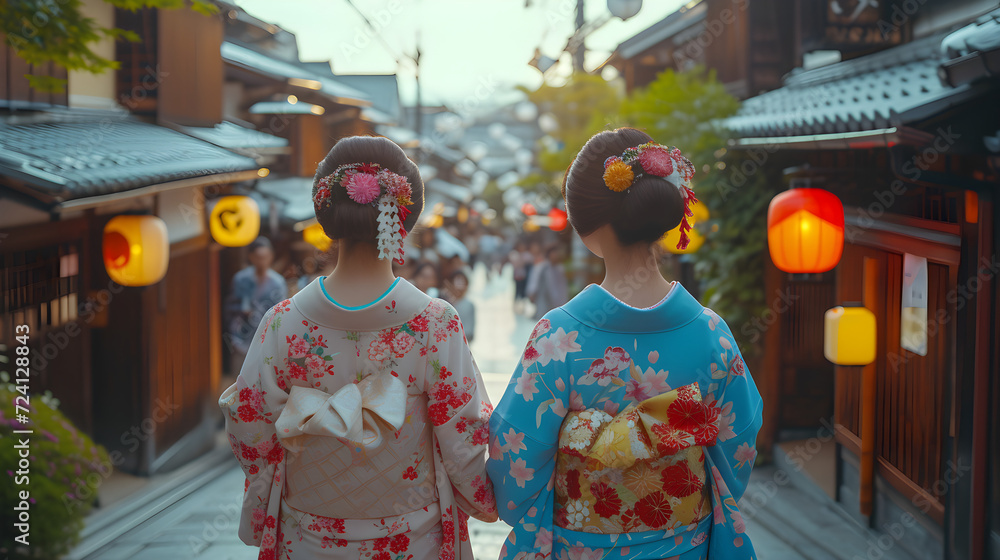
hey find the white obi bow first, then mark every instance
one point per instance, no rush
(352, 413)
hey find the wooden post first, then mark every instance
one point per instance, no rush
(866, 490)
(981, 381)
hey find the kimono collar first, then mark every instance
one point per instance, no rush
(597, 308)
(402, 302)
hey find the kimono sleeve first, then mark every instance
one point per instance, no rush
(524, 434)
(734, 394)
(741, 411)
(459, 409)
(250, 406)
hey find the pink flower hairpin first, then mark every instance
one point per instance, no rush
(369, 183)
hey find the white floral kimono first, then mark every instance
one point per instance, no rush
(626, 434)
(362, 431)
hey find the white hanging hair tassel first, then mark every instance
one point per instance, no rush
(390, 242)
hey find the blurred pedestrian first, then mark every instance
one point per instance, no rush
(548, 287)
(518, 259)
(489, 250)
(254, 290)
(471, 239)
(425, 248)
(310, 271)
(455, 291)
(427, 278)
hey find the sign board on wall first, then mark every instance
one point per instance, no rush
(863, 24)
(913, 323)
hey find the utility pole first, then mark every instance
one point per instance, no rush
(580, 49)
(419, 118)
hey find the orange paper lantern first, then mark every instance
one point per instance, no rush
(805, 230)
(557, 219)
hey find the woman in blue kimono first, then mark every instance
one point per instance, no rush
(629, 428)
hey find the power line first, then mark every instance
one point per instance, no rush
(378, 35)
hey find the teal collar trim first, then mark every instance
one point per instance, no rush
(358, 307)
(596, 307)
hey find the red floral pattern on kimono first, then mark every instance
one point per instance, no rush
(362, 433)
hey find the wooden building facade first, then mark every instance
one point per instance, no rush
(901, 123)
(902, 136)
(136, 367)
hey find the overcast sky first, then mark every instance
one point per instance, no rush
(471, 50)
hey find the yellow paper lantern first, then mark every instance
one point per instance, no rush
(235, 221)
(315, 236)
(850, 337)
(669, 241)
(136, 249)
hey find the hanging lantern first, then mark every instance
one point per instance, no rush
(315, 236)
(558, 219)
(136, 249)
(235, 221)
(849, 337)
(669, 240)
(528, 209)
(805, 230)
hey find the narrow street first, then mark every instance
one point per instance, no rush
(198, 518)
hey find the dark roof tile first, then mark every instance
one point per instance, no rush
(75, 158)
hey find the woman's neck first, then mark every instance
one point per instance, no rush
(360, 276)
(632, 274)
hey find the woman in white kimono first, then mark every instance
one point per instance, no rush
(628, 430)
(359, 416)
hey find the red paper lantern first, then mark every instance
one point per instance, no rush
(557, 219)
(805, 230)
(528, 209)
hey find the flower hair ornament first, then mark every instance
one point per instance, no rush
(369, 183)
(660, 161)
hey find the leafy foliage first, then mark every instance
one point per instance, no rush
(581, 107)
(66, 468)
(42, 31)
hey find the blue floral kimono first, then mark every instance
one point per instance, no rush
(626, 433)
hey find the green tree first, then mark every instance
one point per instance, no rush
(42, 31)
(582, 107)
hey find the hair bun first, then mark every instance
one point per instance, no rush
(651, 207)
(641, 213)
(345, 218)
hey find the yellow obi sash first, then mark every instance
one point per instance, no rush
(641, 470)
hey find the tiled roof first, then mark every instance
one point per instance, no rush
(263, 64)
(60, 160)
(294, 195)
(662, 30)
(881, 90)
(381, 89)
(232, 136)
(284, 107)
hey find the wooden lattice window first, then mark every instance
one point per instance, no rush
(138, 77)
(39, 288)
